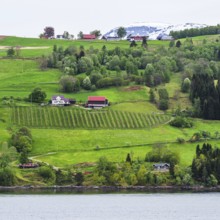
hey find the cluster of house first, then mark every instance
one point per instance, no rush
(108, 38)
(115, 38)
(129, 38)
(84, 36)
(92, 102)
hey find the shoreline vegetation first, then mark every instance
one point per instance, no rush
(108, 189)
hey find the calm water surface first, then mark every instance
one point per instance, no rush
(199, 206)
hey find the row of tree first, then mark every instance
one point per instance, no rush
(205, 94)
(193, 32)
(49, 33)
(206, 164)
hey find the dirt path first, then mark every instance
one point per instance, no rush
(24, 48)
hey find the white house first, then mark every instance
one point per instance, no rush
(60, 100)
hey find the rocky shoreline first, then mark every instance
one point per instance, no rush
(106, 189)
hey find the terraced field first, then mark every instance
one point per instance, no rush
(70, 118)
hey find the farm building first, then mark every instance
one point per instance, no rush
(165, 37)
(89, 37)
(60, 36)
(60, 101)
(28, 165)
(136, 38)
(97, 102)
(109, 38)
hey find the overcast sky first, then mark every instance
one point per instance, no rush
(29, 17)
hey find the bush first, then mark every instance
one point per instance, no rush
(180, 140)
(22, 140)
(37, 95)
(7, 177)
(163, 104)
(69, 84)
(181, 122)
(47, 173)
(107, 82)
(162, 154)
(64, 177)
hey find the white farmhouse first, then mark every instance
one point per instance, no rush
(59, 101)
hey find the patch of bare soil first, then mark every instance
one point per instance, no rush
(2, 37)
(22, 48)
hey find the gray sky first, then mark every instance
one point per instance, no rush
(29, 17)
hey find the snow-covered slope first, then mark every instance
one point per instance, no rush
(153, 30)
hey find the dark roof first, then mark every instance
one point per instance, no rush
(55, 97)
(160, 165)
(61, 97)
(96, 98)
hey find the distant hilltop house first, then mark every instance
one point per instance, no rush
(136, 37)
(161, 166)
(109, 38)
(88, 37)
(60, 36)
(97, 102)
(59, 100)
(164, 37)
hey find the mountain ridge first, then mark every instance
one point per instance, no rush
(152, 30)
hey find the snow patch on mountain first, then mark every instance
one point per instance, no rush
(152, 30)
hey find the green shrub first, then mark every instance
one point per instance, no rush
(180, 140)
(47, 173)
(7, 177)
(181, 122)
(163, 104)
(162, 154)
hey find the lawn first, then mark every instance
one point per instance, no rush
(19, 77)
(65, 159)
(36, 42)
(139, 106)
(76, 146)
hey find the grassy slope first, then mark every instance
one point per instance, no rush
(18, 78)
(114, 144)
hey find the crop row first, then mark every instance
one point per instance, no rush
(53, 117)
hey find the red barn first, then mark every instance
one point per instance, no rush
(97, 102)
(89, 37)
(137, 38)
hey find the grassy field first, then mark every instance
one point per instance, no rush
(19, 77)
(89, 145)
(36, 42)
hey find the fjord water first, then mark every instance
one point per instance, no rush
(157, 206)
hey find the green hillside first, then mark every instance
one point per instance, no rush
(133, 123)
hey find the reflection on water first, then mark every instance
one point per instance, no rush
(174, 206)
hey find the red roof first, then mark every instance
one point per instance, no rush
(96, 98)
(89, 36)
